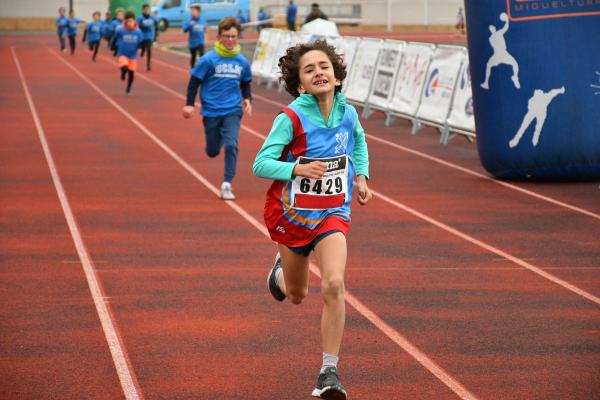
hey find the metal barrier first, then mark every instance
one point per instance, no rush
(422, 82)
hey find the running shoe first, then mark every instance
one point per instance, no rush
(329, 386)
(227, 192)
(274, 288)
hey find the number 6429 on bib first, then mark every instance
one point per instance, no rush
(330, 191)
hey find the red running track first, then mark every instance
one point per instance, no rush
(183, 273)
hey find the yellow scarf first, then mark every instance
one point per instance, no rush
(225, 52)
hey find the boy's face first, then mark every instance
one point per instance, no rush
(61, 11)
(96, 17)
(130, 22)
(120, 15)
(107, 15)
(195, 12)
(146, 11)
(72, 14)
(316, 74)
(229, 38)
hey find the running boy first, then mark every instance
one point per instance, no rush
(313, 152)
(225, 77)
(196, 34)
(106, 29)
(129, 38)
(92, 33)
(147, 25)
(114, 26)
(72, 30)
(62, 24)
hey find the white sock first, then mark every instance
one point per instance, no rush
(329, 361)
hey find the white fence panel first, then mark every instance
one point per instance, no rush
(386, 72)
(285, 41)
(461, 117)
(440, 84)
(411, 78)
(260, 51)
(363, 67)
(271, 52)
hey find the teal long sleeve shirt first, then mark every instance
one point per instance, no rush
(267, 164)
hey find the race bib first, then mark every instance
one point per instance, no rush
(330, 191)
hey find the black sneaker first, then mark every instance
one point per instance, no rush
(272, 280)
(329, 386)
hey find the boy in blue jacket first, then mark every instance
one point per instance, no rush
(72, 30)
(196, 30)
(106, 32)
(114, 26)
(147, 26)
(225, 77)
(129, 38)
(92, 33)
(62, 23)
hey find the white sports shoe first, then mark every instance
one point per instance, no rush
(226, 192)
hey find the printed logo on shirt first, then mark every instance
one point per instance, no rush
(130, 38)
(342, 142)
(228, 71)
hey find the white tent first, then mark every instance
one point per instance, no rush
(320, 27)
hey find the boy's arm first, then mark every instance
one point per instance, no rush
(360, 154)
(113, 41)
(192, 90)
(85, 32)
(186, 26)
(267, 164)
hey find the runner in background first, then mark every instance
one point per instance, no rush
(106, 29)
(115, 25)
(62, 24)
(460, 21)
(223, 76)
(147, 25)
(93, 34)
(129, 39)
(196, 29)
(72, 30)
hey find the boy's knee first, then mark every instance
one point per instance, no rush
(212, 153)
(332, 288)
(297, 295)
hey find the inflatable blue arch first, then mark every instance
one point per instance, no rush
(535, 69)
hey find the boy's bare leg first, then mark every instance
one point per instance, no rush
(295, 274)
(331, 257)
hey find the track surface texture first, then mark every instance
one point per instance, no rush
(139, 282)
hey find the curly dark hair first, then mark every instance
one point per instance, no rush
(290, 64)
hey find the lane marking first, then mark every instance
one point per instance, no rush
(118, 352)
(362, 309)
(519, 261)
(430, 157)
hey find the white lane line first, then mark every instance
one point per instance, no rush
(489, 248)
(390, 332)
(124, 369)
(519, 261)
(434, 159)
